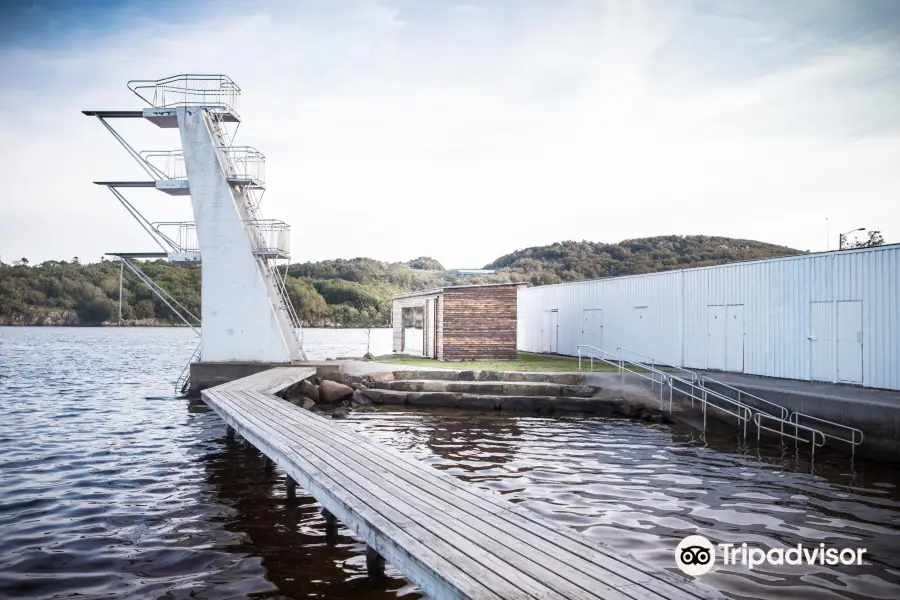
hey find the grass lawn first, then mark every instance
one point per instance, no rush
(525, 362)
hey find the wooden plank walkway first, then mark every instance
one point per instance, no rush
(450, 538)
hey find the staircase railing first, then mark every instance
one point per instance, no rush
(593, 353)
(856, 435)
(657, 363)
(815, 434)
(184, 379)
(738, 410)
(782, 411)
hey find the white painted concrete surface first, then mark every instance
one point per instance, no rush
(241, 321)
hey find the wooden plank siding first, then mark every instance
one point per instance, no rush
(478, 323)
(453, 540)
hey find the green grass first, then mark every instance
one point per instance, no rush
(525, 362)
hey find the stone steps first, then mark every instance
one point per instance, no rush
(495, 388)
(495, 376)
(529, 403)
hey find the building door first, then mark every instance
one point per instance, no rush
(545, 331)
(734, 338)
(715, 337)
(640, 334)
(850, 341)
(592, 327)
(554, 332)
(549, 328)
(821, 341)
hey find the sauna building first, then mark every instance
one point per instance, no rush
(464, 322)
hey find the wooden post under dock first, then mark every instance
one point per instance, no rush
(450, 538)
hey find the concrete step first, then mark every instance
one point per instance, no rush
(504, 376)
(495, 388)
(609, 407)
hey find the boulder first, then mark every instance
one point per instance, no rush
(332, 391)
(308, 404)
(373, 395)
(308, 389)
(359, 399)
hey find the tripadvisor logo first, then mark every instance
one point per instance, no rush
(695, 555)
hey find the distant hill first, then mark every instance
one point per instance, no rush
(355, 292)
(575, 261)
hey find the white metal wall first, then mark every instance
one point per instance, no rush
(774, 297)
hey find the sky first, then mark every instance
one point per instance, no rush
(464, 130)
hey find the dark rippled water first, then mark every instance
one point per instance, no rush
(111, 486)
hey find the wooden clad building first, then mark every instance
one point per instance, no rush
(462, 322)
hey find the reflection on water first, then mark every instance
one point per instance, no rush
(110, 485)
(642, 488)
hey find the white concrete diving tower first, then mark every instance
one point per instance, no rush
(246, 315)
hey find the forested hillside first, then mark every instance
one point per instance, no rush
(574, 261)
(342, 293)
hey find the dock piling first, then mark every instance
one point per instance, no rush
(229, 433)
(291, 486)
(374, 565)
(331, 525)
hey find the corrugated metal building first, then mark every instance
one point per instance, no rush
(832, 316)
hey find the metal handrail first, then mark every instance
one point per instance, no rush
(618, 361)
(794, 419)
(191, 89)
(745, 413)
(184, 379)
(782, 410)
(655, 362)
(759, 416)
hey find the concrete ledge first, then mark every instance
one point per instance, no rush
(878, 420)
(208, 374)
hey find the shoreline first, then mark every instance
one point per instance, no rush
(168, 325)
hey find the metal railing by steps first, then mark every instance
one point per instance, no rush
(184, 379)
(755, 408)
(592, 353)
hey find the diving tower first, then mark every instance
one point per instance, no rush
(246, 314)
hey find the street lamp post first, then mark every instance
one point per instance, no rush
(843, 237)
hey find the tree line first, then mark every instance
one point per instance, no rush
(344, 293)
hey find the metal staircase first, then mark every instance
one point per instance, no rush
(745, 407)
(269, 239)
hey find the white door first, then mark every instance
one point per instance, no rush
(592, 327)
(849, 342)
(734, 338)
(545, 331)
(554, 332)
(639, 334)
(821, 341)
(715, 338)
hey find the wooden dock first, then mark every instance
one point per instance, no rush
(450, 538)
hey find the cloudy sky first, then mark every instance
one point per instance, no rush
(466, 129)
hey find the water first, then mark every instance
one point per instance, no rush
(109, 485)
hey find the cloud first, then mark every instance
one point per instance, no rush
(466, 131)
